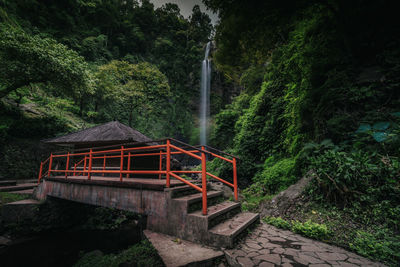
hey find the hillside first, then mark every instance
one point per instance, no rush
(319, 92)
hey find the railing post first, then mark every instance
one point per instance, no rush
(160, 165)
(168, 163)
(129, 164)
(75, 169)
(122, 163)
(40, 172)
(90, 164)
(67, 166)
(104, 164)
(84, 166)
(50, 163)
(204, 181)
(235, 185)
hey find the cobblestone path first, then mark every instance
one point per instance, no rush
(270, 246)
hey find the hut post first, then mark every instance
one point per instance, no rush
(160, 165)
(90, 163)
(67, 166)
(122, 163)
(129, 164)
(84, 166)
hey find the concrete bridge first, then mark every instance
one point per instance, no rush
(181, 207)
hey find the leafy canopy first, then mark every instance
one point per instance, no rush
(29, 59)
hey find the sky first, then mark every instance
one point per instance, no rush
(186, 7)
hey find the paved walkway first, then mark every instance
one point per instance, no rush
(270, 246)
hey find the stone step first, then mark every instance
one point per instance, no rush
(197, 197)
(227, 232)
(26, 181)
(18, 187)
(216, 213)
(181, 191)
(23, 192)
(194, 202)
(176, 252)
(8, 183)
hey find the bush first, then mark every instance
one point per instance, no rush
(276, 175)
(379, 246)
(278, 222)
(347, 176)
(142, 254)
(310, 229)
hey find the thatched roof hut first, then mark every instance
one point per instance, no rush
(109, 133)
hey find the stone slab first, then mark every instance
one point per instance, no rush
(23, 192)
(17, 187)
(285, 251)
(8, 182)
(182, 253)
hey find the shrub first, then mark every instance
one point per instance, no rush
(142, 254)
(379, 246)
(346, 176)
(310, 229)
(276, 175)
(278, 222)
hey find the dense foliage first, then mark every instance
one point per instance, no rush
(319, 90)
(48, 42)
(67, 65)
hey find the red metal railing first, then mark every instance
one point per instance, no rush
(162, 148)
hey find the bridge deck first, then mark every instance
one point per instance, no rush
(142, 183)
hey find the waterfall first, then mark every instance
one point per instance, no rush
(205, 96)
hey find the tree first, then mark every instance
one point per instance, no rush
(139, 89)
(27, 59)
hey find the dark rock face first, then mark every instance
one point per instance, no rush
(285, 199)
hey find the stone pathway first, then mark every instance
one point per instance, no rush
(270, 246)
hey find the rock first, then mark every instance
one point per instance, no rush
(4, 241)
(219, 186)
(285, 199)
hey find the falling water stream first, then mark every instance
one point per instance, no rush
(205, 95)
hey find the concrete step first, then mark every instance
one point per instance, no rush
(216, 213)
(8, 183)
(181, 191)
(26, 181)
(176, 252)
(227, 232)
(18, 187)
(197, 197)
(194, 202)
(23, 192)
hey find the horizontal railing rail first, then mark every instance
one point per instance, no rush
(80, 163)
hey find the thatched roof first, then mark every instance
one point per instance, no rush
(108, 133)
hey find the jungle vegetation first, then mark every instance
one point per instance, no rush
(319, 90)
(298, 86)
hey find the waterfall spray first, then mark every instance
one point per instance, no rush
(205, 96)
